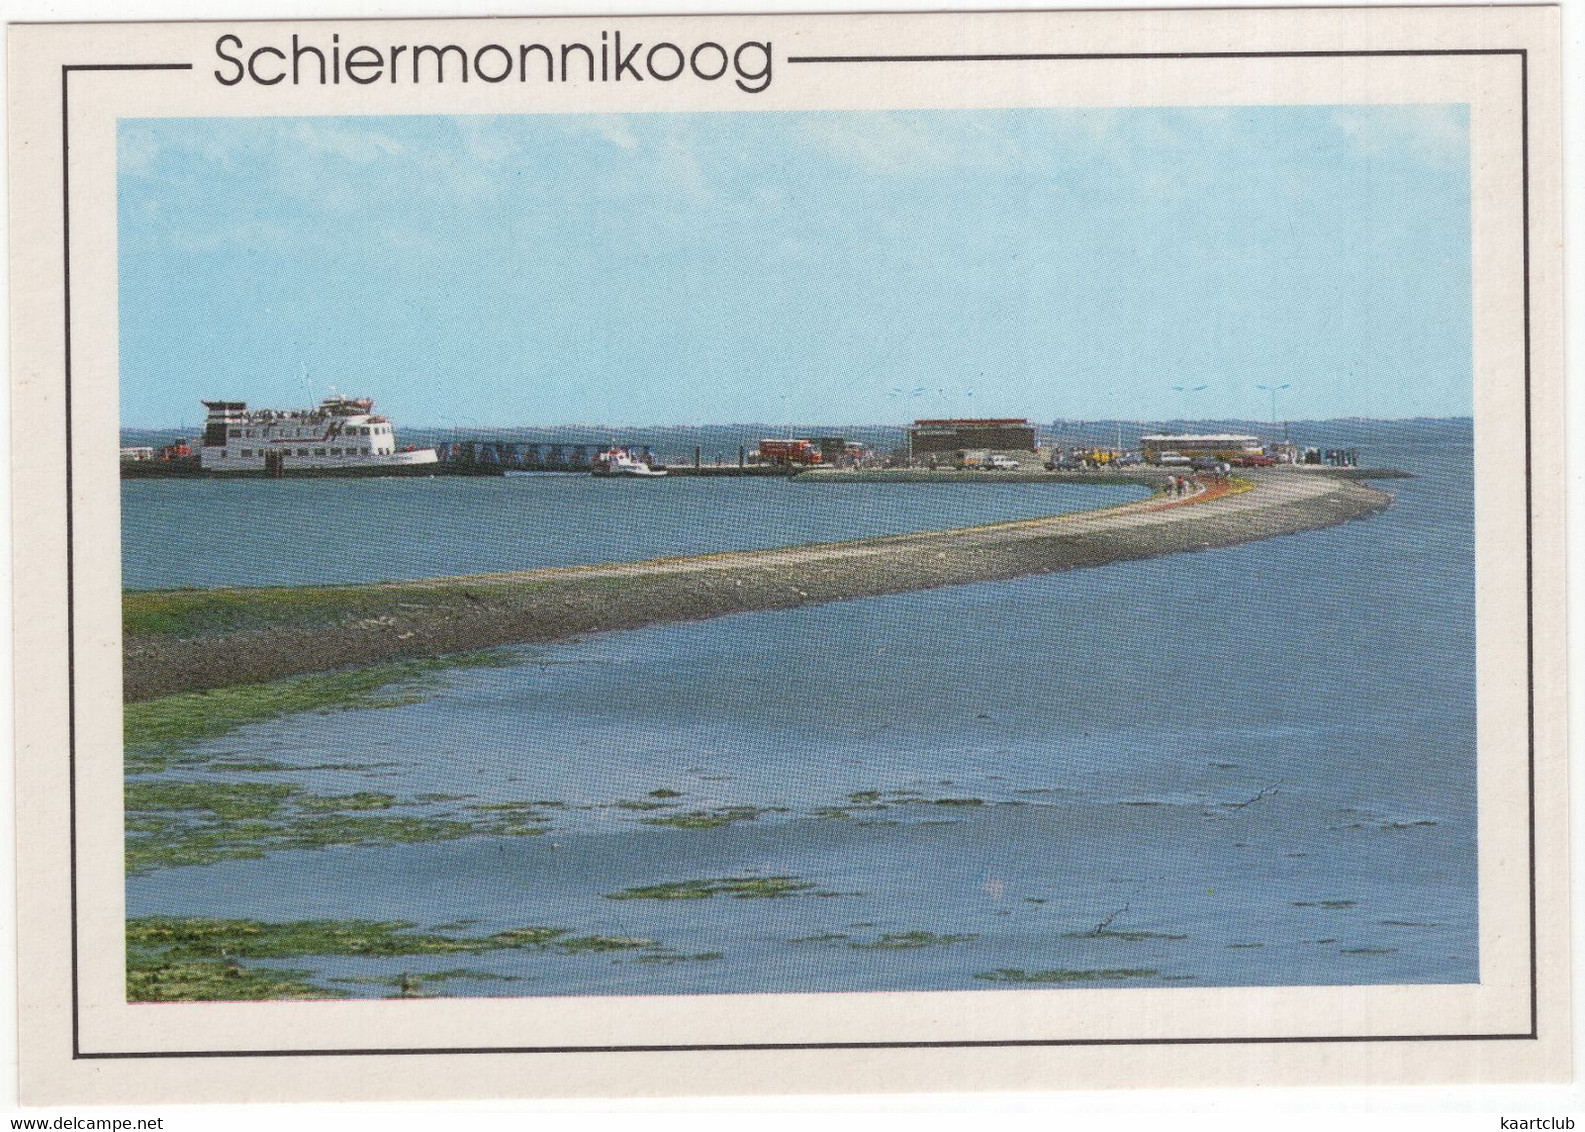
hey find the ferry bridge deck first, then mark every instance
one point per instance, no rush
(489, 457)
(492, 457)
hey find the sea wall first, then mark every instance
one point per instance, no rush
(186, 640)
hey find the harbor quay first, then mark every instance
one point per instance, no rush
(190, 640)
(344, 437)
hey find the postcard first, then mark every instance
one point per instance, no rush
(637, 556)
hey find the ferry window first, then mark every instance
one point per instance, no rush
(247, 452)
(335, 451)
(236, 432)
(319, 451)
(302, 451)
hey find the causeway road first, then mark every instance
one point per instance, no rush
(190, 640)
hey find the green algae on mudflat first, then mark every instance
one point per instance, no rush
(1066, 975)
(901, 941)
(574, 945)
(741, 888)
(170, 723)
(355, 829)
(173, 844)
(407, 982)
(672, 957)
(869, 801)
(213, 980)
(193, 958)
(361, 800)
(200, 823)
(197, 613)
(222, 800)
(207, 937)
(711, 819)
(1118, 934)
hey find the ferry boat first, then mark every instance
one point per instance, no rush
(620, 462)
(341, 437)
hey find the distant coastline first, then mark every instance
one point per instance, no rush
(187, 640)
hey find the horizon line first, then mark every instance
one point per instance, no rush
(784, 426)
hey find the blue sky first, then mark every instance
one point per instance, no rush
(814, 267)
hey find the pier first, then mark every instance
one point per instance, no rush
(188, 640)
(487, 457)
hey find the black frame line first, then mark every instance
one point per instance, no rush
(1045, 57)
(78, 1054)
(71, 581)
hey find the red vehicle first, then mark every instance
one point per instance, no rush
(1254, 460)
(789, 452)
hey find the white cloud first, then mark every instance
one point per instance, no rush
(614, 130)
(884, 142)
(358, 145)
(136, 149)
(250, 234)
(1437, 133)
(486, 141)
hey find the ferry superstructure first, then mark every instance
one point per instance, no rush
(341, 436)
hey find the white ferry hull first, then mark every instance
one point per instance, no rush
(341, 437)
(424, 461)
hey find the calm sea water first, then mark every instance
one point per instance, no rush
(297, 532)
(1253, 766)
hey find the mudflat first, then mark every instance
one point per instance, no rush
(190, 640)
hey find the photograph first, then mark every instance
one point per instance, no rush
(798, 551)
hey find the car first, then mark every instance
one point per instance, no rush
(1001, 462)
(1172, 460)
(1254, 460)
(1126, 460)
(1206, 464)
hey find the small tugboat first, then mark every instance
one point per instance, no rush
(620, 462)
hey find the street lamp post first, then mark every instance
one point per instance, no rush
(1186, 390)
(907, 397)
(1274, 390)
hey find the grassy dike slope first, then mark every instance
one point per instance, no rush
(189, 640)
